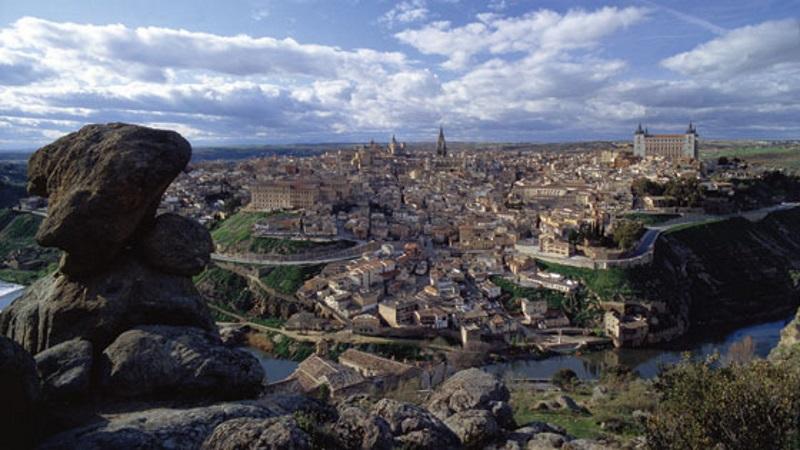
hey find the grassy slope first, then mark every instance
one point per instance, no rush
(17, 232)
(288, 279)
(235, 232)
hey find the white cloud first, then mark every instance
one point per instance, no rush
(406, 11)
(539, 31)
(743, 50)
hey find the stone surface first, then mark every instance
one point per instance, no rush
(165, 361)
(233, 334)
(357, 429)
(474, 427)
(20, 395)
(467, 389)
(65, 369)
(566, 402)
(103, 182)
(275, 433)
(56, 309)
(176, 245)
(546, 441)
(414, 427)
(156, 429)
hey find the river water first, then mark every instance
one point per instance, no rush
(8, 293)
(647, 362)
(589, 365)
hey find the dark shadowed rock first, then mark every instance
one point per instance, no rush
(165, 361)
(275, 433)
(19, 396)
(65, 369)
(56, 309)
(157, 429)
(177, 245)
(467, 389)
(474, 427)
(103, 182)
(357, 429)
(234, 334)
(414, 427)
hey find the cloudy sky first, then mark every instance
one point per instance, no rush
(281, 71)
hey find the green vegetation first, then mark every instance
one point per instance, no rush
(236, 231)
(225, 287)
(516, 292)
(651, 219)
(17, 232)
(627, 233)
(606, 283)
(288, 279)
(750, 406)
(777, 156)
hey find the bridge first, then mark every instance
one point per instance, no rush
(299, 259)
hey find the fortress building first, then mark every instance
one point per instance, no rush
(666, 145)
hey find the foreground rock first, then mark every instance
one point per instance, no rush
(20, 395)
(102, 183)
(177, 245)
(66, 369)
(170, 361)
(99, 308)
(276, 433)
(414, 427)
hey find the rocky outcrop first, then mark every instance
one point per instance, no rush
(275, 433)
(122, 317)
(176, 245)
(100, 307)
(103, 183)
(413, 427)
(473, 389)
(160, 428)
(21, 394)
(358, 429)
(65, 369)
(474, 427)
(179, 361)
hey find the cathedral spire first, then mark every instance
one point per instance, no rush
(441, 144)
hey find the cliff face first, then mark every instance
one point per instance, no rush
(731, 271)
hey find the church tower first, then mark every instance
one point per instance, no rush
(441, 145)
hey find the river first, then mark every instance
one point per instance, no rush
(589, 365)
(646, 361)
(8, 293)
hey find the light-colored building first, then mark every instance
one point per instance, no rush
(397, 313)
(667, 145)
(284, 195)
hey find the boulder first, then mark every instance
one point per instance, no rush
(65, 369)
(547, 441)
(467, 389)
(474, 427)
(414, 427)
(102, 182)
(20, 393)
(234, 334)
(275, 433)
(176, 245)
(166, 362)
(357, 429)
(588, 444)
(503, 414)
(156, 429)
(566, 402)
(57, 309)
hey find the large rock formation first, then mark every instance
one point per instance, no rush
(20, 394)
(103, 183)
(121, 317)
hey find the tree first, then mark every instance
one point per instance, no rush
(627, 233)
(564, 378)
(643, 186)
(753, 406)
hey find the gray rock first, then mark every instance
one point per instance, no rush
(275, 433)
(56, 309)
(165, 362)
(20, 393)
(547, 441)
(566, 402)
(65, 369)
(503, 414)
(156, 429)
(599, 393)
(474, 427)
(103, 183)
(467, 389)
(233, 334)
(414, 427)
(587, 444)
(176, 245)
(357, 429)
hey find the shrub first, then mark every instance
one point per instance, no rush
(754, 406)
(565, 379)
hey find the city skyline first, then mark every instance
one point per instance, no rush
(304, 71)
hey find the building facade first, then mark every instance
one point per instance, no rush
(671, 146)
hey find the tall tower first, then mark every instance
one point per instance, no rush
(441, 145)
(393, 146)
(639, 148)
(690, 142)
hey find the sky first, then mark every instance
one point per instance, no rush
(244, 72)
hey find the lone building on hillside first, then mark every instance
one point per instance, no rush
(441, 144)
(666, 145)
